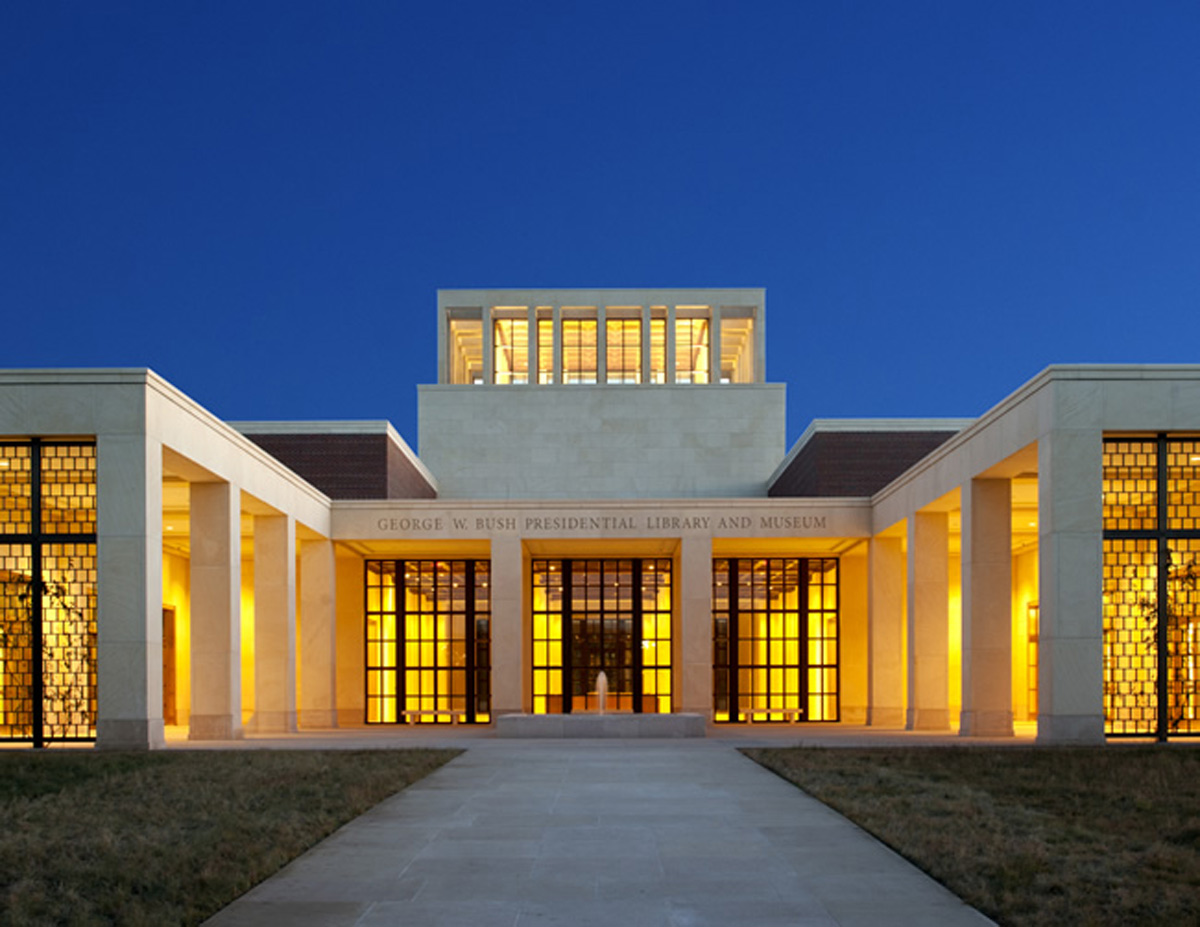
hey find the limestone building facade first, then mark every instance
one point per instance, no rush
(603, 485)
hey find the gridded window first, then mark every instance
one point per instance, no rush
(593, 616)
(428, 641)
(17, 666)
(68, 475)
(1130, 650)
(69, 640)
(1151, 580)
(624, 350)
(1182, 617)
(15, 478)
(47, 591)
(775, 639)
(656, 636)
(579, 350)
(1183, 485)
(691, 350)
(1130, 485)
(510, 351)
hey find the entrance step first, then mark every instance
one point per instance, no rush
(597, 725)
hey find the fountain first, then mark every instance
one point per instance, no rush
(602, 691)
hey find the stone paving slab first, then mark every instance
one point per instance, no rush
(679, 833)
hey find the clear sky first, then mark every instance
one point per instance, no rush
(260, 200)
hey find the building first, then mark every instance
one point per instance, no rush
(603, 485)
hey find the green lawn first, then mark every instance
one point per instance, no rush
(172, 837)
(1030, 836)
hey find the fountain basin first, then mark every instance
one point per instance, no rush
(589, 724)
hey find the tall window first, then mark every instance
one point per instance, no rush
(510, 351)
(593, 616)
(465, 346)
(737, 347)
(624, 350)
(775, 639)
(1152, 585)
(579, 350)
(428, 637)
(691, 350)
(47, 591)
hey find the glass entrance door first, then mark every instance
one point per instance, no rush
(601, 615)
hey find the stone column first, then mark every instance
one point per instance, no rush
(318, 636)
(534, 347)
(601, 344)
(510, 651)
(928, 621)
(129, 592)
(714, 345)
(216, 565)
(647, 377)
(1071, 587)
(987, 609)
(669, 346)
(488, 346)
(885, 620)
(693, 644)
(556, 344)
(274, 623)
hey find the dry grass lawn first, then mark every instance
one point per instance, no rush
(170, 838)
(1030, 836)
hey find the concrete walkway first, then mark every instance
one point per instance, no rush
(593, 832)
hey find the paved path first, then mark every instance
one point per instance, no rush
(686, 833)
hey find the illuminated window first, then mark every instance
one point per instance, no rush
(47, 591)
(624, 350)
(510, 350)
(465, 346)
(737, 347)
(579, 350)
(775, 639)
(1152, 586)
(428, 631)
(602, 615)
(691, 350)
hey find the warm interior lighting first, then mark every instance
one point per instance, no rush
(510, 350)
(465, 347)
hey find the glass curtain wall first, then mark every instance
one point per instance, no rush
(602, 615)
(428, 638)
(1151, 580)
(775, 639)
(47, 591)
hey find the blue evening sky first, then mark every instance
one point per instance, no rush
(260, 200)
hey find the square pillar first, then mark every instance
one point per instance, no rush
(885, 632)
(693, 632)
(351, 667)
(987, 609)
(274, 623)
(216, 565)
(318, 636)
(129, 592)
(928, 621)
(1071, 587)
(510, 663)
